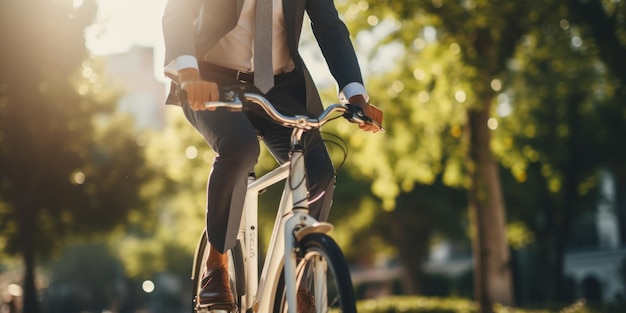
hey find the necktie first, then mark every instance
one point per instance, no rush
(263, 69)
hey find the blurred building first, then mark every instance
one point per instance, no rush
(596, 265)
(133, 73)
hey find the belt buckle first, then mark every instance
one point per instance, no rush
(241, 76)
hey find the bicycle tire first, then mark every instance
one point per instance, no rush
(315, 250)
(235, 272)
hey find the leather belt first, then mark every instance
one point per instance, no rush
(246, 77)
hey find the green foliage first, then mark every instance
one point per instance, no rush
(93, 288)
(414, 172)
(65, 158)
(412, 304)
(422, 139)
(554, 67)
(163, 235)
(69, 166)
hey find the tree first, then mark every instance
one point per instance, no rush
(565, 133)
(94, 288)
(603, 23)
(477, 38)
(68, 166)
(574, 105)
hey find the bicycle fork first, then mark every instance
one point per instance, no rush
(297, 226)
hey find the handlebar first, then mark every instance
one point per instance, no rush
(233, 102)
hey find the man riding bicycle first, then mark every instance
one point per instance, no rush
(211, 44)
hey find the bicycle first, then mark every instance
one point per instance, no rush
(313, 261)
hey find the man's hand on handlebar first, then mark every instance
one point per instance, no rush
(198, 91)
(370, 111)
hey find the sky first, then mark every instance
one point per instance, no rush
(121, 24)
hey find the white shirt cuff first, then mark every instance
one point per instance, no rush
(181, 62)
(352, 89)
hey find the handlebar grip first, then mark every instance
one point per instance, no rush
(229, 100)
(356, 115)
(227, 94)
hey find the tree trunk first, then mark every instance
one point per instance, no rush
(492, 268)
(571, 203)
(26, 178)
(412, 257)
(25, 228)
(412, 235)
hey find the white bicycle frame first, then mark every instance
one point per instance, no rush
(291, 224)
(292, 219)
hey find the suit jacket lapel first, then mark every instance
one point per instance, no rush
(293, 11)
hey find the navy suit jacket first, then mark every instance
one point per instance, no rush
(193, 27)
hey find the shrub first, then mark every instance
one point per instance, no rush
(417, 304)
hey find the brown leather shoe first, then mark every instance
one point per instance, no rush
(306, 301)
(215, 291)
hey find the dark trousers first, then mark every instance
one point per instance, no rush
(233, 138)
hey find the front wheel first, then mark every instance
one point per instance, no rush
(322, 277)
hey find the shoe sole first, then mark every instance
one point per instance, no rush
(228, 307)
